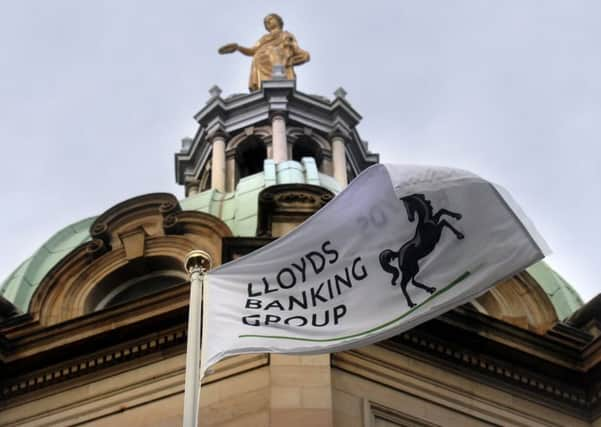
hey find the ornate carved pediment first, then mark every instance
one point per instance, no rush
(286, 206)
(146, 236)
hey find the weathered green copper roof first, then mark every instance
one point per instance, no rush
(237, 209)
(20, 286)
(563, 296)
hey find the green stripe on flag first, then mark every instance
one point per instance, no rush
(376, 328)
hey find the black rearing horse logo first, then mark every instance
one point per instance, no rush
(427, 235)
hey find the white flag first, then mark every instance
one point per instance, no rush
(399, 246)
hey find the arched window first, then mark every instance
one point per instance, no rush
(250, 156)
(205, 180)
(136, 279)
(306, 147)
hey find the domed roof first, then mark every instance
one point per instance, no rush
(564, 297)
(237, 209)
(19, 287)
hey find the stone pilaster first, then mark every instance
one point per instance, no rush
(218, 162)
(278, 139)
(339, 160)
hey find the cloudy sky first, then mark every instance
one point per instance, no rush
(95, 97)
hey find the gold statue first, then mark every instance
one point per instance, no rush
(278, 47)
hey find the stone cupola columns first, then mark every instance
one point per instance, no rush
(280, 108)
(339, 159)
(278, 139)
(218, 162)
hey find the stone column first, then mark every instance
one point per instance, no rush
(278, 139)
(218, 163)
(339, 160)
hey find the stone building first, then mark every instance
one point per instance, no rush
(93, 325)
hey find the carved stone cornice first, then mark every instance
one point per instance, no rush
(290, 201)
(94, 364)
(496, 370)
(151, 230)
(84, 351)
(29, 340)
(445, 388)
(135, 207)
(548, 369)
(34, 357)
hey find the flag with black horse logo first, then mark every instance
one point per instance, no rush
(400, 245)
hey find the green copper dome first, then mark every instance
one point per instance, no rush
(564, 297)
(237, 209)
(20, 286)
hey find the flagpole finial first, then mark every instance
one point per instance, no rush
(198, 259)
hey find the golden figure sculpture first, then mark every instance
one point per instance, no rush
(278, 47)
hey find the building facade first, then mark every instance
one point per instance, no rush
(93, 325)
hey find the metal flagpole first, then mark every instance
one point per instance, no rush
(197, 263)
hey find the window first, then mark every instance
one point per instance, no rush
(135, 280)
(306, 147)
(250, 156)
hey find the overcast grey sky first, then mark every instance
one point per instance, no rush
(95, 97)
